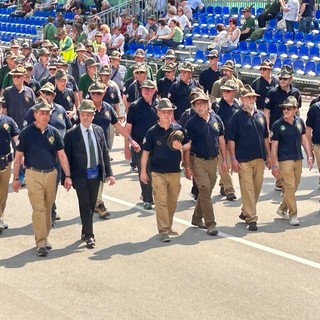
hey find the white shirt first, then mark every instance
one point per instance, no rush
(163, 31)
(115, 40)
(141, 31)
(183, 20)
(292, 14)
(86, 142)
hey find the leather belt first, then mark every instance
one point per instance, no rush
(203, 158)
(41, 170)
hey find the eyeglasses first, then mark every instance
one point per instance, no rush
(284, 79)
(288, 108)
(97, 93)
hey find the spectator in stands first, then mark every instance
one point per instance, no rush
(91, 31)
(97, 42)
(27, 52)
(185, 24)
(40, 69)
(22, 8)
(171, 5)
(290, 13)
(264, 83)
(116, 41)
(175, 37)
(105, 5)
(46, 5)
(186, 9)
(79, 36)
(66, 46)
(140, 32)
(195, 5)
(163, 30)
(234, 34)
(152, 28)
(124, 23)
(228, 70)
(249, 24)
(106, 35)
(171, 15)
(66, 7)
(221, 39)
(210, 75)
(77, 66)
(306, 15)
(270, 12)
(104, 59)
(78, 6)
(50, 32)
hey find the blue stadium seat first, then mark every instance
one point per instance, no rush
(293, 52)
(226, 56)
(282, 50)
(314, 53)
(278, 36)
(317, 39)
(272, 48)
(246, 62)
(219, 19)
(268, 36)
(287, 61)
(272, 24)
(259, 11)
(164, 50)
(310, 68)
(199, 57)
(277, 65)
(252, 48)
(288, 37)
(149, 50)
(304, 52)
(218, 10)
(256, 62)
(203, 19)
(237, 59)
(298, 66)
(211, 20)
(309, 39)
(210, 10)
(298, 37)
(212, 31)
(243, 47)
(318, 69)
(157, 51)
(225, 11)
(234, 11)
(188, 41)
(262, 49)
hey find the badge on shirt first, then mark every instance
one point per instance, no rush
(282, 128)
(144, 140)
(107, 114)
(34, 88)
(112, 95)
(69, 98)
(159, 143)
(169, 95)
(24, 123)
(6, 126)
(266, 100)
(299, 126)
(27, 99)
(261, 120)
(51, 139)
(60, 116)
(215, 126)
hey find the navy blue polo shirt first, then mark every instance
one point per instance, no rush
(8, 130)
(127, 84)
(104, 118)
(65, 98)
(205, 135)
(142, 117)
(18, 103)
(111, 96)
(226, 111)
(71, 82)
(34, 85)
(275, 97)
(162, 158)
(58, 119)
(249, 133)
(179, 95)
(40, 148)
(289, 138)
(262, 86)
(186, 116)
(134, 91)
(164, 86)
(208, 77)
(313, 121)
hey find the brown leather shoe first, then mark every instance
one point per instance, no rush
(199, 224)
(102, 211)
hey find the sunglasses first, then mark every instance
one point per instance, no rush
(284, 79)
(140, 72)
(263, 69)
(97, 93)
(16, 76)
(47, 93)
(226, 91)
(99, 36)
(288, 108)
(212, 58)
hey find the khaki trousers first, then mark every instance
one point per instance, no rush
(290, 171)
(316, 149)
(205, 176)
(250, 179)
(100, 191)
(166, 189)
(225, 177)
(41, 191)
(4, 188)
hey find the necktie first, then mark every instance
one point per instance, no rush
(93, 160)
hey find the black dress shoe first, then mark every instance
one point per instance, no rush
(83, 237)
(222, 192)
(42, 252)
(231, 197)
(242, 216)
(91, 242)
(252, 226)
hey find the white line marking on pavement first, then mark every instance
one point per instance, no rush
(228, 236)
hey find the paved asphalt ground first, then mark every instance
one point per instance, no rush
(273, 273)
